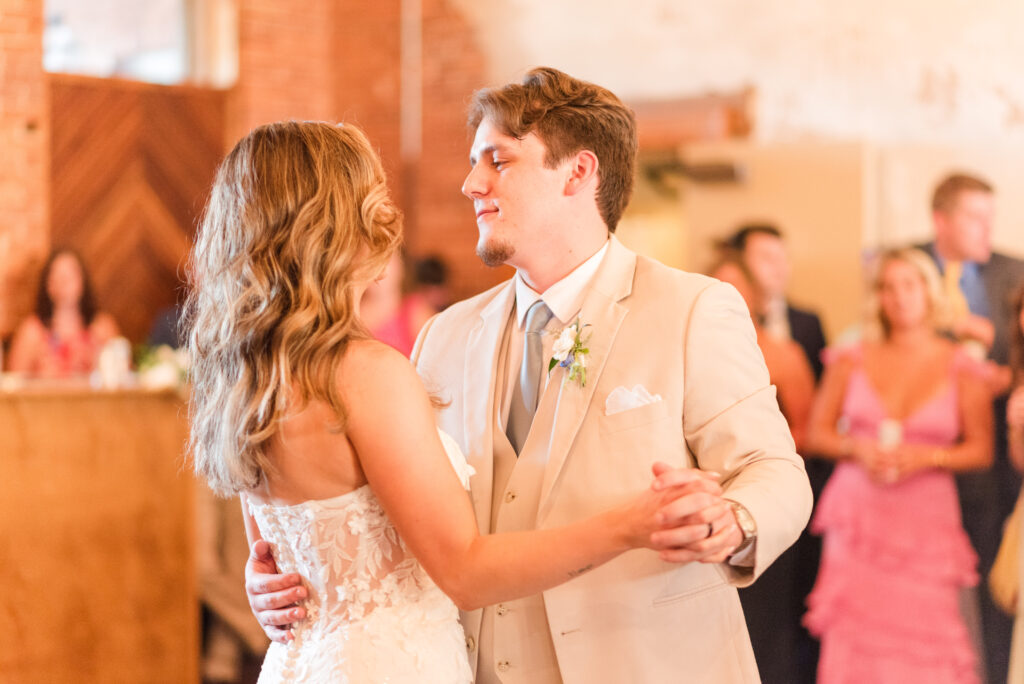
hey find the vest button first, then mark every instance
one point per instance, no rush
(470, 644)
(504, 665)
(510, 496)
(501, 609)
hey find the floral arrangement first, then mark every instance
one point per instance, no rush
(161, 367)
(570, 351)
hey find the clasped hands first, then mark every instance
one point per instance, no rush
(889, 466)
(698, 525)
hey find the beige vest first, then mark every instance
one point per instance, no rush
(515, 639)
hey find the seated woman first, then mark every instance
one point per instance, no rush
(64, 336)
(901, 412)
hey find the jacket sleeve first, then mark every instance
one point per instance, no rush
(733, 426)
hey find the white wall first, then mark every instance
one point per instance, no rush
(938, 71)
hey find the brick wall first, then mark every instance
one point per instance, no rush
(367, 63)
(341, 60)
(24, 139)
(453, 67)
(286, 64)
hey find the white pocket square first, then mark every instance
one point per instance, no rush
(622, 399)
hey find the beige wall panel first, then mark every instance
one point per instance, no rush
(814, 192)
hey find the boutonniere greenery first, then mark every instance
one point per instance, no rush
(570, 351)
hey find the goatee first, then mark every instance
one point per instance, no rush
(495, 252)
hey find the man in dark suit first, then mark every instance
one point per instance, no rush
(763, 251)
(979, 283)
(773, 606)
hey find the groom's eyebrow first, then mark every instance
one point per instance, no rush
(473, 159)
(489, 150)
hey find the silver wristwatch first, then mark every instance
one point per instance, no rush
(747, 526)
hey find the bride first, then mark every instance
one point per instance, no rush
(330, 437)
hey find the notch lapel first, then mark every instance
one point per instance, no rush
(570, 402)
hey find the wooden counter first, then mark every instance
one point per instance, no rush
(97, 579)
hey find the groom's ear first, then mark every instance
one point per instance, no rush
(582, 171)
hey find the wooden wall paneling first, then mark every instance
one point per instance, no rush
(132, 165)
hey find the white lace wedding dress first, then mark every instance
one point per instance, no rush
(374, 615)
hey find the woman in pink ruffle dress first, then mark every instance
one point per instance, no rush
(901, 411)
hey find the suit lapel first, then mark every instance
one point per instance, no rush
(602, 310)
(479, 382)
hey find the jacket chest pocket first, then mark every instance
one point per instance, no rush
(634, 417)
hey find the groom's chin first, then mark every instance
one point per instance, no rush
(494, 252)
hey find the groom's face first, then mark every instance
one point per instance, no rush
(516, 195)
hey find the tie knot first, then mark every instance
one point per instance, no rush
(537, 316)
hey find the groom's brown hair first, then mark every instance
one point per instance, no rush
(569, 115)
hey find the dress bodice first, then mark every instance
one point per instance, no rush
(348, 553)
(372, 610)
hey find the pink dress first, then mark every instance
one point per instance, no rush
(886, 601)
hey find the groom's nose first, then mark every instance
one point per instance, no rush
(474, 185)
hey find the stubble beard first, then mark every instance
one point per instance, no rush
(495, 252)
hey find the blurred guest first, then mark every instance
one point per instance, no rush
(763, 250)
(66, 333)
(427, 295)
(900, 412)
(979, 284)
(1015, 439)
(772, 606)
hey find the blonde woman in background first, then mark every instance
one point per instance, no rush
(900, 413)
(331, 438)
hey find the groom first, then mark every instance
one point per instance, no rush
(566, 384)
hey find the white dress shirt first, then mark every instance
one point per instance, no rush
(565, 299)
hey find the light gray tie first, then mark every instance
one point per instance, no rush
(531, 374)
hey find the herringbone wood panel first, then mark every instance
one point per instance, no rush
(131, 166)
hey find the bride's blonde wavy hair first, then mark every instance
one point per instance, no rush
(299, 217)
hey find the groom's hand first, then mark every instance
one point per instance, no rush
(699, 525)
(273, 597)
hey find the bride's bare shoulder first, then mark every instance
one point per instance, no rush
(370, 366)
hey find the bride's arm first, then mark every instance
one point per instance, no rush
(392, 426)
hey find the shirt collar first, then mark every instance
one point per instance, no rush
(564, 298)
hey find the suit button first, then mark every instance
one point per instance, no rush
(510, 497)
(503, 665)
(501, 609)
(470, 644)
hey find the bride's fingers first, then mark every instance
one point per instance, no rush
(281, 618)
(281, 635)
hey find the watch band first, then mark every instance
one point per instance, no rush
(747, 525)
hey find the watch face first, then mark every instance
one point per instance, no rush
(746, 523)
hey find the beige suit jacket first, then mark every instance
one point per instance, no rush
(689, 339)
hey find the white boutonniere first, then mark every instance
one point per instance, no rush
(570, 351)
